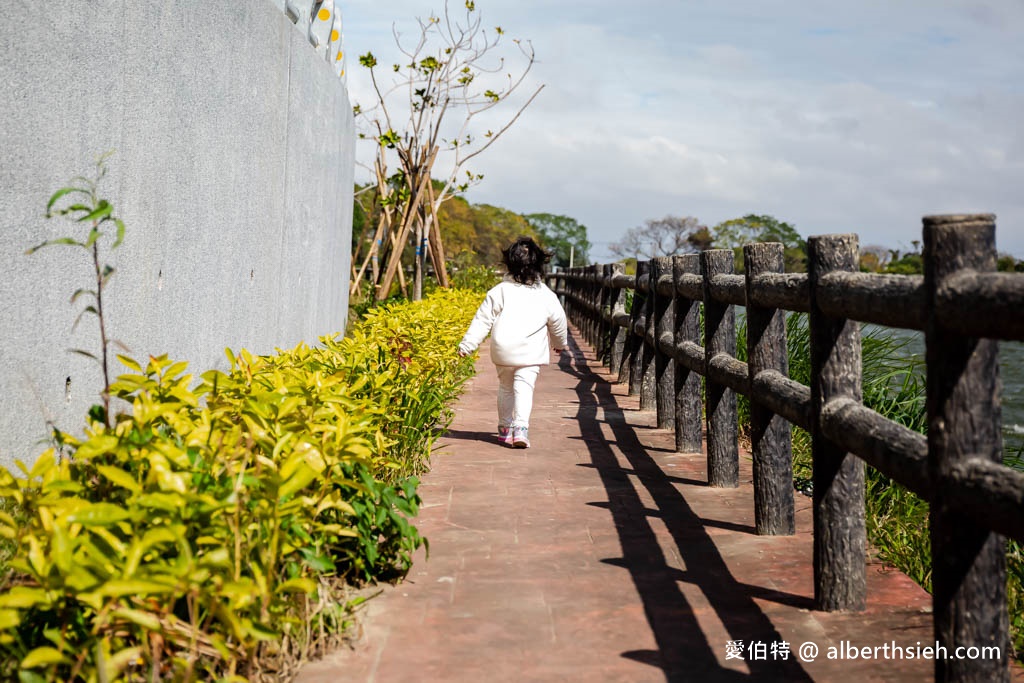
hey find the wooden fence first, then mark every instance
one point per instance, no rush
(962, 306)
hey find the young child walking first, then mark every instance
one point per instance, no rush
(526, 322)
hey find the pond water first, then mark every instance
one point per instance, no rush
(1011, 372)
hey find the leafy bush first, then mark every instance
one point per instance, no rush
(475, 278)
(204, 532)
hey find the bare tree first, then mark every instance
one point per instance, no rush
(874, 258)
(662, 237)
(449, 66)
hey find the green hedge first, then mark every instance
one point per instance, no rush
(205, 533)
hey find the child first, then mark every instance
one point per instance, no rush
(525, 321)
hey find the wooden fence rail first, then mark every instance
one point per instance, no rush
(962, 307)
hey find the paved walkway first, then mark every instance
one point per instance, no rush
(601, 555)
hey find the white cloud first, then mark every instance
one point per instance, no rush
(855, 117)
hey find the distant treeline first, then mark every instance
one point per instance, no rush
(475, 234)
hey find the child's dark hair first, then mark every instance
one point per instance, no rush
(525, 260)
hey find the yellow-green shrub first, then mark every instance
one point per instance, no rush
(192, 538)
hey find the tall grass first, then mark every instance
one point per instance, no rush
(893, 382)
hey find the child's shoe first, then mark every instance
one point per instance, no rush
(505, 435)
(520, 438)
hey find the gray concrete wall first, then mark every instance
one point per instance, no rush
(232, 170)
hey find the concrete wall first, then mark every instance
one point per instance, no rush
(232, 170)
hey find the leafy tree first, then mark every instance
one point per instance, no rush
(496, 228)
(1008, 264)
(662, 237)
(564, 236)
(734, 233)
(909, 263)
(873, 258)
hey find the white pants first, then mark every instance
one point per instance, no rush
(515, 394)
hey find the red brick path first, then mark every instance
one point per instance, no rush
(601, 555)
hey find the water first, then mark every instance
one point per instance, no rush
(1011, 372)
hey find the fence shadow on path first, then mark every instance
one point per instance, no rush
(684, 653)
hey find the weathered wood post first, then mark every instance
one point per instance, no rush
(626, 374)
(593, 272)
(567, 287)
(686, 319)
(648, 381)
(584, 294)
(604, 353)
(617, 335)
(770, 437)
(968, 560)
(599, 302)
(840, 540)
(720, 337)
(580, 303)
(636, 328)
(664, 364)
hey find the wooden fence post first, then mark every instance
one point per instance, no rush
(582, 293)
(569, 287)
(616, 335)
(769, 433)
(686, 319)
(719, 337)
(577, 291)
(588, 298)
(604, 331)
(840, 541)
(636, 372)
(648, 380)
(631, 345)
(598, 311)
(664, 364)
(594, 297)
(968, 560)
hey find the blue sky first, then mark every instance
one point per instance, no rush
(833, 116)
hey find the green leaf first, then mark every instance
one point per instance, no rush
(60, 193)
(42, 465)
(50, 243)
(94, 235)
(260, 631)
(143, 619)
(99, 514)
(23, 597)
(120, 233)
(318, 562)
(118, 476)
(299, 479)
(100, 212)
(42, 656)
(299, 585)
(9, 618)
(168, 502)
(129, 362)
(80, 292)
(82, 352)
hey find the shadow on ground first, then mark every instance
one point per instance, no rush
(684, 653)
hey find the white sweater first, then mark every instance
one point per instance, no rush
(525, 321)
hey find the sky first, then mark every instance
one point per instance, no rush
(832, 116)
